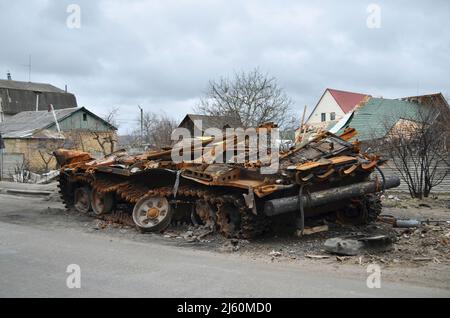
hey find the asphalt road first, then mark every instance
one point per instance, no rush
(34, 258)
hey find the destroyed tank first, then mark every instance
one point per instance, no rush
(326, 176)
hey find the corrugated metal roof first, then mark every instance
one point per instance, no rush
(374, 119)
(30, 86)
(24, 124)
(16, 97)
(347, 100)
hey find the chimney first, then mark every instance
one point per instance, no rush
(65, 88)
(8, 76)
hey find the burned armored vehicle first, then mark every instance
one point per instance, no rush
(324, 176)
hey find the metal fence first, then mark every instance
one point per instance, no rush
(443, 188)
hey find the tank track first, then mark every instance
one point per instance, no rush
(369, 207)
(374, 207)
(65, 191)
(244, 224)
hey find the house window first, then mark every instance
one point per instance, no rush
(332, 116)
(84, 117)
(323, 117)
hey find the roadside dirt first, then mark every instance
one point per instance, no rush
(427, 243)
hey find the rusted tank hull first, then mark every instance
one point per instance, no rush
(236, 199)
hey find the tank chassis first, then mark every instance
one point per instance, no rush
(327, 175)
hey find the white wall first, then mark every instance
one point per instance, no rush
(326, 105)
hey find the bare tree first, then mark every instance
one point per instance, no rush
(45, 149)
(111, 116)
(106, 141)
(287, 131)
(254, 98)
(46, 158)
(157, 130)
(21, 172)
(418, 148)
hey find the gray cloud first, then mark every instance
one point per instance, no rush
(161, 54)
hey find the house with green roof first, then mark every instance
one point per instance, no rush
(377, 116)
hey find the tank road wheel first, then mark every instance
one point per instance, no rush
(152, 214)
(361, 211)
(82, 199)
(229, 220)
(203, 213)
(102, 203)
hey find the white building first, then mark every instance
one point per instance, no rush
(332, 106)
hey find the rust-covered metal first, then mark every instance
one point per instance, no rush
(324, 176)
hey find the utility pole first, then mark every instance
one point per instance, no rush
(142, 125)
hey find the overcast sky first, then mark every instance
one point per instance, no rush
(161, 54)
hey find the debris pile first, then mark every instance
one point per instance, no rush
(26, 176)
(425, 243)
(380, 242)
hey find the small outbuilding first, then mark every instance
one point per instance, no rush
(17, 96)
(201, 123)
(31, 136)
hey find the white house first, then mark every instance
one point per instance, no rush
(332, 106)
